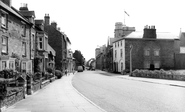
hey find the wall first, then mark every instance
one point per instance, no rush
(166, 57)
(15, 37)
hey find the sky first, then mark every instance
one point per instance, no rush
(89, 23)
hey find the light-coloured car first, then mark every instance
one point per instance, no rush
(80, 69)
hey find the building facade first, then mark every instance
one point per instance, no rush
(145, 50)
(15, 39)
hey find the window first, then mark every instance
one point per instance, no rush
(156, 64)
(24, 66)
(146, 64)
(4, 19)
(147, 52)
(4, 45)
(46, 43)
(115, 53)
(121, 52)
(156, 52)
(24, 30)
(40, 43)
(23, 48)
(121, 43)
(115, 44)
(4, 65)
(118, 43)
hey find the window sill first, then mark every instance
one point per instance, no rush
(4, 27)
(3, 53)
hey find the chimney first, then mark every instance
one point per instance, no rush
(47, 19)
(24, 7)
(150, 32)
(7, 2)
(54, 25)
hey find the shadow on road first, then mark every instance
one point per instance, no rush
(109, 74)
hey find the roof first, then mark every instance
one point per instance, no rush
(13, 11)
(40, 21)
(160, 35)
(68, 40)
(50, 49)
(28, 13)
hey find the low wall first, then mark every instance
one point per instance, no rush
(11, 99)
(45, 83)
(36, 86)
(160, 74)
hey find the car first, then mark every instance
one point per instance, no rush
(80, 69)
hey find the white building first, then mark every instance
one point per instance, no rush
(119, 55)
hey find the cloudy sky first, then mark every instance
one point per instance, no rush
(88, 23)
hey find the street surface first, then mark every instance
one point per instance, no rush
(115, 94)
(58, 96)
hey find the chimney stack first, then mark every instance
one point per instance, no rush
(54, 25)
(24, 7)
(47, 19)
(150, 32)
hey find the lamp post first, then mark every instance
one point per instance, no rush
(131, 47)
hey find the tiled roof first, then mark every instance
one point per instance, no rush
(40, 21)
(50, 49)
(28, 13)
(160, 35)
(12, 10)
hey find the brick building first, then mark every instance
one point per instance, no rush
(57, 41)
(148, 49)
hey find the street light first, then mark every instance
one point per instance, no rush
(131, 47)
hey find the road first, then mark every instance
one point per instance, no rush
(115, 94)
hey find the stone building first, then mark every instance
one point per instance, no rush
(145, 50)
(15, 42)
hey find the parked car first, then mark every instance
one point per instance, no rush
(80, 69)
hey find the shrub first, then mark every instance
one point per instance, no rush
(49, 70)
(58, 74)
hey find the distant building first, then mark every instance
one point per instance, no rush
(122, 30)
(149, 49)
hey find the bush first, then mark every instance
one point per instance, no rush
(49, 70)
(58, 74)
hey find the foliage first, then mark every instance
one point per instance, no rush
(37, 62)
(6, 73)
(162, 74)
(58, 74)
(80, 60)
(49, 70)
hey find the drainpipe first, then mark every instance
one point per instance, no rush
(131, 47)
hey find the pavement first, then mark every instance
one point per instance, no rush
(149, 80)
(58, 96)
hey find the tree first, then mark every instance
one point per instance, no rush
(80, 60)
